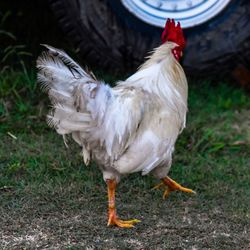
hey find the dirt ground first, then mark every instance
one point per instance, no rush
(69, 219)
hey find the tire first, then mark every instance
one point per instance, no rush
(110, 37)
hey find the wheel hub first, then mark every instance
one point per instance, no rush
(189, 12)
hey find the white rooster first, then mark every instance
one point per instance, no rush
(128, 128)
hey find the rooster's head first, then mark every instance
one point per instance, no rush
(174, 33)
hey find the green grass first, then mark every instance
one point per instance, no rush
(47, 193)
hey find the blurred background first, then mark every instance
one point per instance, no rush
(24, 25)
(121, 33)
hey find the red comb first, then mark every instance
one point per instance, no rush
(173, 33)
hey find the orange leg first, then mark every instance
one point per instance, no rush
(113, 219)
(172, 186)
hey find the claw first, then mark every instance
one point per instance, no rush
(158, 186)
(166, 193)
(122, 223)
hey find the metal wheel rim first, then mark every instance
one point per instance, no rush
(189, 12)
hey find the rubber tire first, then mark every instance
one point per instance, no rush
(109, 37)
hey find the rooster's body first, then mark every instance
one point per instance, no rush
(129, 128)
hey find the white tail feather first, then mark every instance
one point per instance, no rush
(63, 79)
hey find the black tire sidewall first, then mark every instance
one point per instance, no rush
(212, 47)
(200, 34)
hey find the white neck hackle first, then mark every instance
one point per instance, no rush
(162, 75)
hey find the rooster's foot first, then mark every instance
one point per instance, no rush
(114, 221)
(172, 186)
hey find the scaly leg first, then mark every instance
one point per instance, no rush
(172, 186)
(113, 219)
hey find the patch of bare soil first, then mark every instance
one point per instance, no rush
(80, 223)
